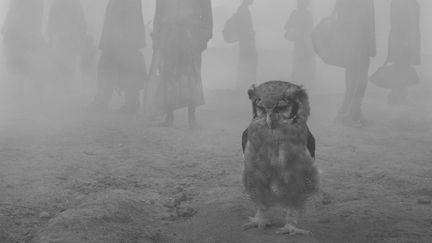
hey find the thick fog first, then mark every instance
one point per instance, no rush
(143, 125)
(269, 20)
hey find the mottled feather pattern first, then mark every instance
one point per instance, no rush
(279, 167)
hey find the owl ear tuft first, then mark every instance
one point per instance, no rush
(299, 95)
(252, 93)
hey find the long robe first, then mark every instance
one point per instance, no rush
(357, 19)
(67, 23)
(181, 31)
(300, 24)
(67, 31)
(404, 38)
(123, 26)
(22, 35)
(122, 65)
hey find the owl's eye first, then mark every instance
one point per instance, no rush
(261, 109)
(281, 108)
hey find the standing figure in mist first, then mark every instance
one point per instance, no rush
(242, 31)
(121, 65)
(298, 29)
(23, 43)
(357, 19)
(67, 33)
(404, 43)
(181, 31)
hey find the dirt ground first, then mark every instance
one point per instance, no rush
(68, 176)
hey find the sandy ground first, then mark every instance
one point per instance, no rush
(67, 176)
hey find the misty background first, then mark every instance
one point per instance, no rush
(269, 17)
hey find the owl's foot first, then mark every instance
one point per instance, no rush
(292, 230)
(259, 221)
(291, 221)
(256, 223)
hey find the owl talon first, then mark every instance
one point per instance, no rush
(292, 230)
(256, 222)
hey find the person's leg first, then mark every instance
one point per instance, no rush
(193, 124)
(105, 85)
(359, 86)
(132, 102)
(132, 75)
(67, 62)
(16, 69)
(393, 96)
(398, 96)
(349, 88)
(169, 119)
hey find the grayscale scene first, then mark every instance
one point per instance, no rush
(215, 121)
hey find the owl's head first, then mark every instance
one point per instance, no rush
(279, 103)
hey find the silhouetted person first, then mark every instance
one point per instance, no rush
(121, 66)
(357, 19)
(298, 30)
(404, 43)
(247, 56)
(67, 33)
(181, 31)
(23, 40)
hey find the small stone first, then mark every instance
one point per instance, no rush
(181, 198)
(185, 211)
(171, 203)
(4, 236)
(424, 201)
(326, 201)
(222, 173)
(62, 177)
(89, 153)
(125, 151)
(324, 221)
(44, 215)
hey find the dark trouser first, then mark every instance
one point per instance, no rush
(124, 70)
(356, 79)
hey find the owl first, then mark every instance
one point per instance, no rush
(279, 152)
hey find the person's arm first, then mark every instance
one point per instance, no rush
(82, 18)
(157, 24)
(371, 29)
(206, 23)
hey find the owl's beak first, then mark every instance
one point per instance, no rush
(269, 121)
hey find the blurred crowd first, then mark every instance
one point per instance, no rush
(180, 34)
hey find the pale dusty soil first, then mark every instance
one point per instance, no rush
(68, 176)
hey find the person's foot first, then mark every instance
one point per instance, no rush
(347, 120)
(96, 107)
(193, 125)
(166, 123)
(128, 110)
(358, 123)
(406, 102)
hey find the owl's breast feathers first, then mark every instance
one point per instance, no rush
(279, 169)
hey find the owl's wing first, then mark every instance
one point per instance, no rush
(244, 139)
(310, 143)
